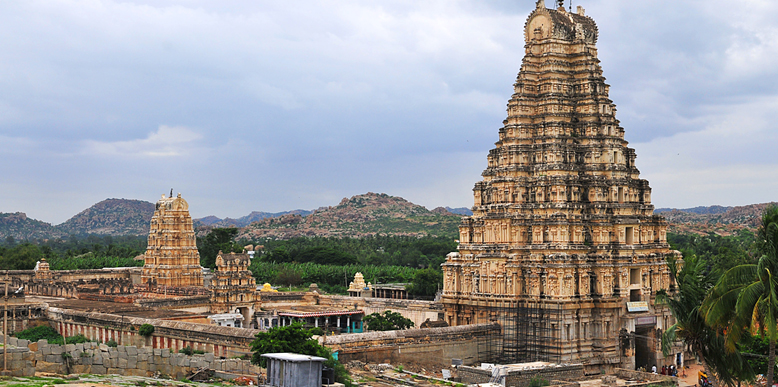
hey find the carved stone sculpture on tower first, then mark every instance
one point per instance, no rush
(171, 258)
(561, 203)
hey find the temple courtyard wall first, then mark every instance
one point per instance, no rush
(26, 358)
(435, 346)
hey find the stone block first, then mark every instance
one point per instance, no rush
(80, 347)
(143, 357)
(122, 363)
(132, 350)
(122, 355)
(209, 357)
(54, 368)
(12, 341)
(157, 352)
(121, 349)
(136, 372)
(54, 358)
(113, 351)
(165, 352)
(29, 371)
(108, 362)
(32, 346)
(45, 348)
(22, 343)
(76, 353)
(39, 356)
(56, 349)
(115, 371)
(103, 347)
(16, 364)
(80, 369)
(97, 359)
(70, 347)
(152, 367)
(86, 360)
(15, 356)
(28, 356)
(132, 362)
(98, 369)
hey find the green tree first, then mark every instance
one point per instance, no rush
(20, 257)
(426, 283)
(694, 280)
(219, 239)
(388, 321)
(746, 297)
(295, 339)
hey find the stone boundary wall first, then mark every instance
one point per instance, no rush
(557, 375)
(92, 358)
(415, 310)
(432, 345)
(175, 335)
(651, 377)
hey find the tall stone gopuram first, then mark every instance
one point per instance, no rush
(171, 258)
(563, 248)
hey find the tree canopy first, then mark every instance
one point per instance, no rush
(388, 321)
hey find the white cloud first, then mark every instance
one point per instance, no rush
(167, 141)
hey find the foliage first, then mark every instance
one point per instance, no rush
(759, 348)
(219, 239)
(41, 332)
(721, 252)
(426, 283)
(328, 277)
(388, 321)
(73, 253)
(295, 339)
(90, 261)
(20, 257)
(537, 381)
(112, 343)
(746, 297)
(146, 330)
(406, 251)
(77, 339)
(186, 351)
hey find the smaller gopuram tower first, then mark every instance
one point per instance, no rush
(563, 248)
(234, 287)
(171, 258)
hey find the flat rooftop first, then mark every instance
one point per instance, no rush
(119, 308)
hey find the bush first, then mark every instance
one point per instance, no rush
(186, 351)
(537, 381)
(77, 339)
(42, 332)
(146, 330)
(112, 343)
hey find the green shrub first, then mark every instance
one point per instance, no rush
(77, 339)
(112, 343)
(42, 332)
(146, 330)
(186, 351)
(537, 381)
(198, 352)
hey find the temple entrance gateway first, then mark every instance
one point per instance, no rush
(645, 354)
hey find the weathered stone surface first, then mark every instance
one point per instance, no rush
(56, 368)
(104, 348)
(165, 352)
(45, 348)
(561, 214)
(131, 350)
(97, 358)
(33, 346)
(122, 363)
(70, 347)
(56, 349)
(53, 358)
(98, 369)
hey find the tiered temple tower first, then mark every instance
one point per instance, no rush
(563, 248)
(171, 258)
(234, 287)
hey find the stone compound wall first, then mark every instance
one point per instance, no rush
(432, 345)
(25, 358)
(175, 335)
(558, 375)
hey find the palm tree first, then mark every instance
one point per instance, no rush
(694, 280)
(746, 297)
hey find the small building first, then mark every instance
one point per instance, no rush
(396, 290)
(294, 370)
(227, 319)
(331, 320)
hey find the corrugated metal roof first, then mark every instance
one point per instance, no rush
(293, 357)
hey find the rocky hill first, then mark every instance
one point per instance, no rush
(244, 221)
(19, 227)
(717, 219)
(111, 217)
(358, 216)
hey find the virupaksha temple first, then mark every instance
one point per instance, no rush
(563, 248)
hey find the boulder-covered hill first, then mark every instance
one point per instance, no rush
(717, 219)
(359, 216)
(18, 226)
(244, 221)
(111, 217)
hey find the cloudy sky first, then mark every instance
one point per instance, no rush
(278, 105)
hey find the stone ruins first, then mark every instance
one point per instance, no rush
(563, 248)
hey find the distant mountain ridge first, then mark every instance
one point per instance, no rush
(359, 216)
(244, 221)
(716, 219)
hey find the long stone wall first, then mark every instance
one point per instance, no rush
(26, 358)
(101, 327)
(432, 345)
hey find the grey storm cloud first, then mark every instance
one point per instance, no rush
(244, 105)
